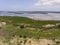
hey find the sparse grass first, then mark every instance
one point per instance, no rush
(33, 33)
(12, 30)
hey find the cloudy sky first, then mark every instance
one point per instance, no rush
(30, 5)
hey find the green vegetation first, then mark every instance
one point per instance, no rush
(16, 19)
(20, 29)
(25, 27)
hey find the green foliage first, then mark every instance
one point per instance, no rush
(37, 33)
(16, 19)
(21, 26)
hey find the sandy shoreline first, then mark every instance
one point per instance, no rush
(42, 18)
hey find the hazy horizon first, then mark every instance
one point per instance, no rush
(33, 15)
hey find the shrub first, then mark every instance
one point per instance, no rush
(21, 26)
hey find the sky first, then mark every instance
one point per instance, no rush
(29, 5)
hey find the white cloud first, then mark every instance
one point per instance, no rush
(47, 2)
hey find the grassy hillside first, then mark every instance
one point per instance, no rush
(36, 32)
(22, 28)
(16, 19)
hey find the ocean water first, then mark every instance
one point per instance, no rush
(49, 16)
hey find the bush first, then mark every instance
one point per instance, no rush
(21, 26)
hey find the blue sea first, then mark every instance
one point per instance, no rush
(37, 16)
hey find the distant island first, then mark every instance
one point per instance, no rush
(31, 12)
